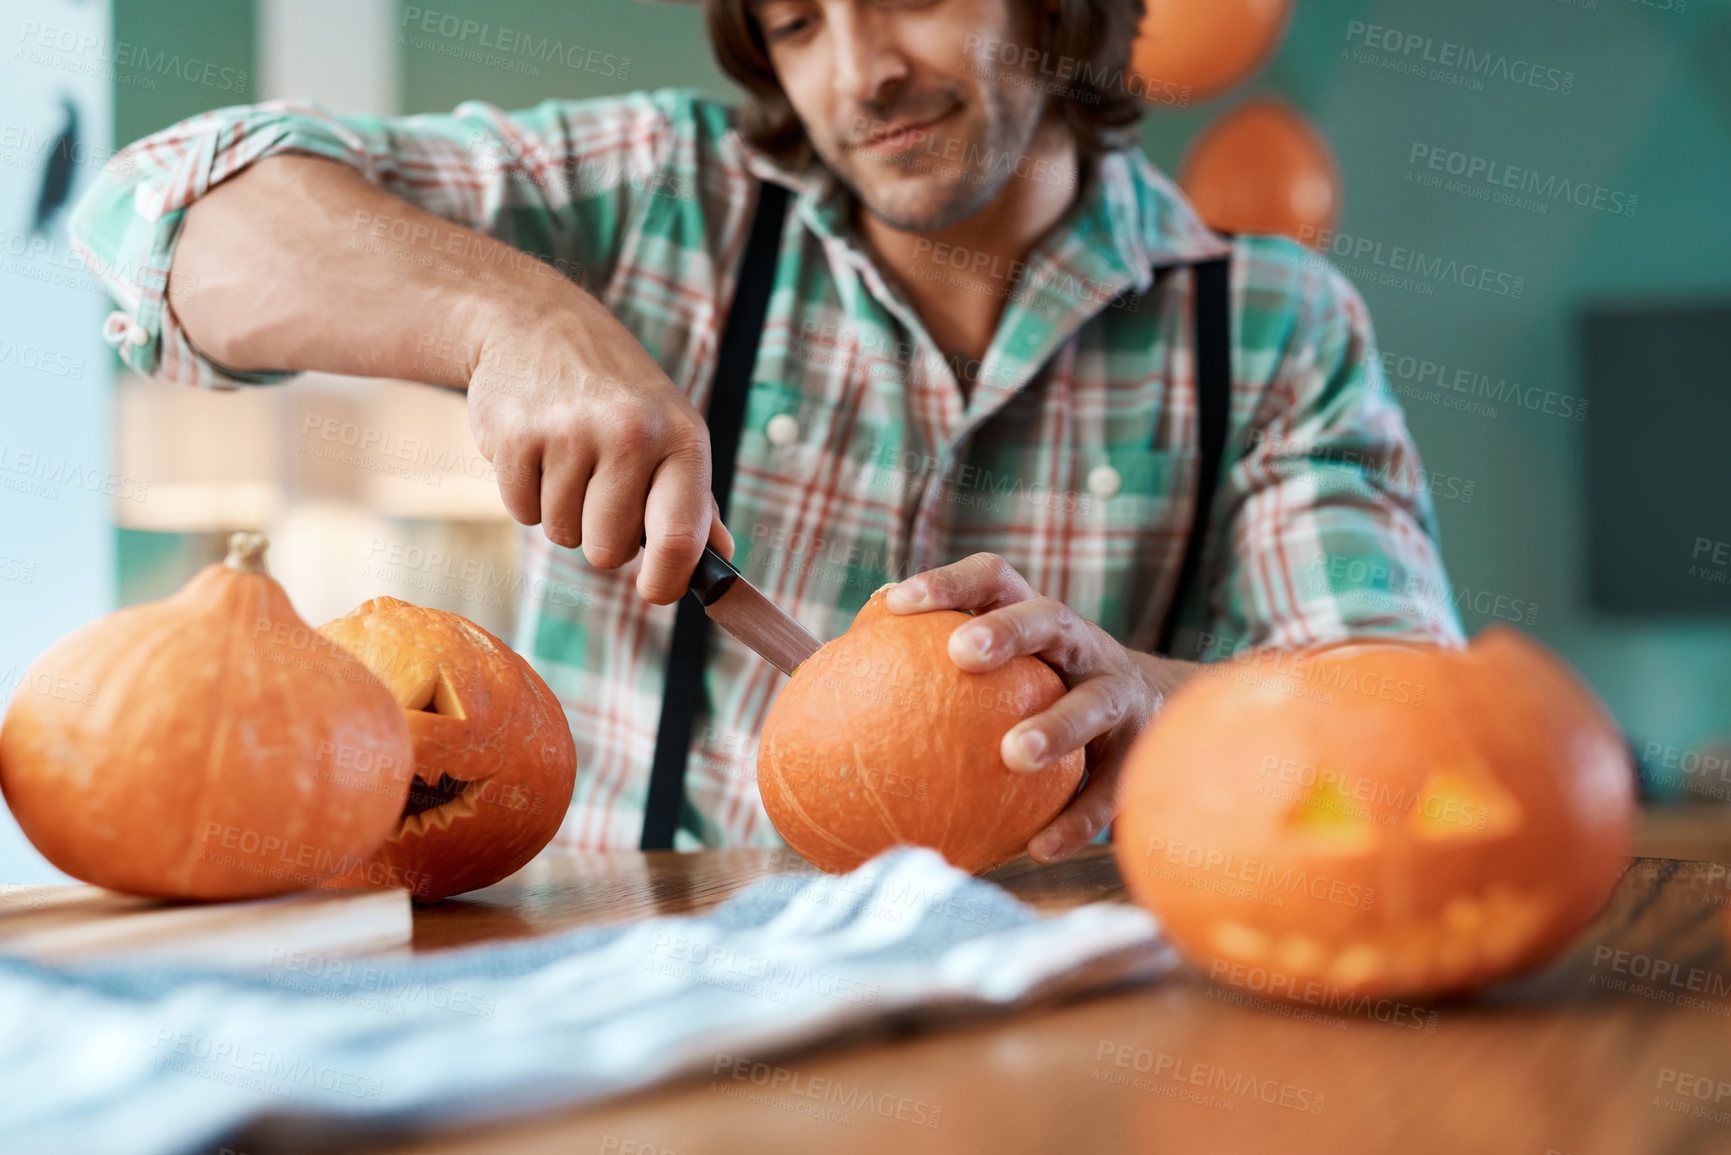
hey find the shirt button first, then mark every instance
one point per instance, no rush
(783, 430)
(1103, 481)
(138, 335)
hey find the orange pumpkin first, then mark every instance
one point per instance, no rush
(1377, 820)
(1193, 50)
(209, 746)
(880, 739)
(493, 755)
(1264, 168)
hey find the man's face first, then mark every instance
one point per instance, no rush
(908, 101)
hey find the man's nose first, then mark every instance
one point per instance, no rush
(869, 63)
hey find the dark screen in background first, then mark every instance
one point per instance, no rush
(1659, 460)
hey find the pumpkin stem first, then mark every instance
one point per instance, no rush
(246, 552)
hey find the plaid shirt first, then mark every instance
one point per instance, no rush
(862, 459)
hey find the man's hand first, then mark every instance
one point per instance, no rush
(1113, 692)
(587, 434)
(593, 442)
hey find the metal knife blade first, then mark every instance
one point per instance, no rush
(740, 608)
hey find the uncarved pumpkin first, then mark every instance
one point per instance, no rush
(211, 745)
(880, 739)
(494, 760)
(1377, 820)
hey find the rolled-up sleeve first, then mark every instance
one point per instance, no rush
(1332, 531)
(558, 181)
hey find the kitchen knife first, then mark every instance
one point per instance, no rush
(740, 608)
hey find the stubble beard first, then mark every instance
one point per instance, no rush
(966, 186)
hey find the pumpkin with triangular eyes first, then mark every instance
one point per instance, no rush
(1376, 820)
(494, 760)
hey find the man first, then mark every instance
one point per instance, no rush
(980, 347)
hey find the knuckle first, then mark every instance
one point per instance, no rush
(603, 556)
(563, 533)
(634, 432)
(684, 532)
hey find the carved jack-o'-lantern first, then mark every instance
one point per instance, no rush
(1376, 820)
(494, 759)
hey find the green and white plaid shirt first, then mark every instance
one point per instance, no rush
(862, 459)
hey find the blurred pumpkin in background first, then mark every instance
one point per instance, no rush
(210, 745)
(1264, 168)
(494, 762)
(1377, 820)
(880, 739)
(1197, 49)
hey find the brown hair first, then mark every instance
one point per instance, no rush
(1086, 44)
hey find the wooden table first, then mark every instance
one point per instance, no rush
(1594, 1054)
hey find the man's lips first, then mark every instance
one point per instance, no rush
(904, 130)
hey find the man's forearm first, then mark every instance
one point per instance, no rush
(301, 264)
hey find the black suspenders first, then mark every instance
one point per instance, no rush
(1213, 408)
(685, 657)
(735, 361)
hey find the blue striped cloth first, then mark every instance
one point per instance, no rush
(161, 1060)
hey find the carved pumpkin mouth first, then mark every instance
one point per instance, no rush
(435, 805)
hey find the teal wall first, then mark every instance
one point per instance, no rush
(217, 65)
(625, 44)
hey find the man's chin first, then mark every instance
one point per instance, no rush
(919, 202)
